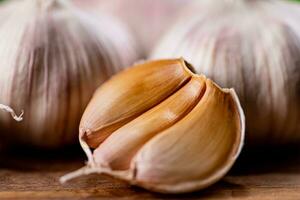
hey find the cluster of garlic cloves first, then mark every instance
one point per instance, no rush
(53, 57)
(167, 130)
(252, 46)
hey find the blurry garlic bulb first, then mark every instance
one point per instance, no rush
(52, 59)
(253, 46)
(147, 18)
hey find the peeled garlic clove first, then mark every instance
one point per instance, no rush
(129, 94)
(252, 46)
(196, 151)
(53, 57)
(132, 136)
(186, 141)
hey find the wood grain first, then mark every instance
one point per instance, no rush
(257, 175)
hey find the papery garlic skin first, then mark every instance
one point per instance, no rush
(53, 57)
(185, 141)
(253, 46)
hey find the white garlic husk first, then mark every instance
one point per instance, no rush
(53, 57)
(253, 46)
(148, 19)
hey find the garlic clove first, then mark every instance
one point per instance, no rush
(185, 141)
(197, 150)
(131, 137)
(146, 84)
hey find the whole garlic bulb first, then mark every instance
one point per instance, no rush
(253, 46)
(53, 57)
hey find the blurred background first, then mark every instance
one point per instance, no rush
(55, 54)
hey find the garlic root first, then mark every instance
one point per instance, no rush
(8, 109)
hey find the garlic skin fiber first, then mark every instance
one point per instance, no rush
(252, 46)
(9, 110)
(168, 130)
(18, 118)
(53, 57)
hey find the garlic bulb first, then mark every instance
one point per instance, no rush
(253, 46)
(52, 59)
(169, 130)
(147, 18)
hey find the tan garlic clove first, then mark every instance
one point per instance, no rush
(128, 95)
(186, 141)
(132, 136)
(196, 151)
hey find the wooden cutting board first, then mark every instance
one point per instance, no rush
(255, 176)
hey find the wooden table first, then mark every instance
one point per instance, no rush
(256, 175)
